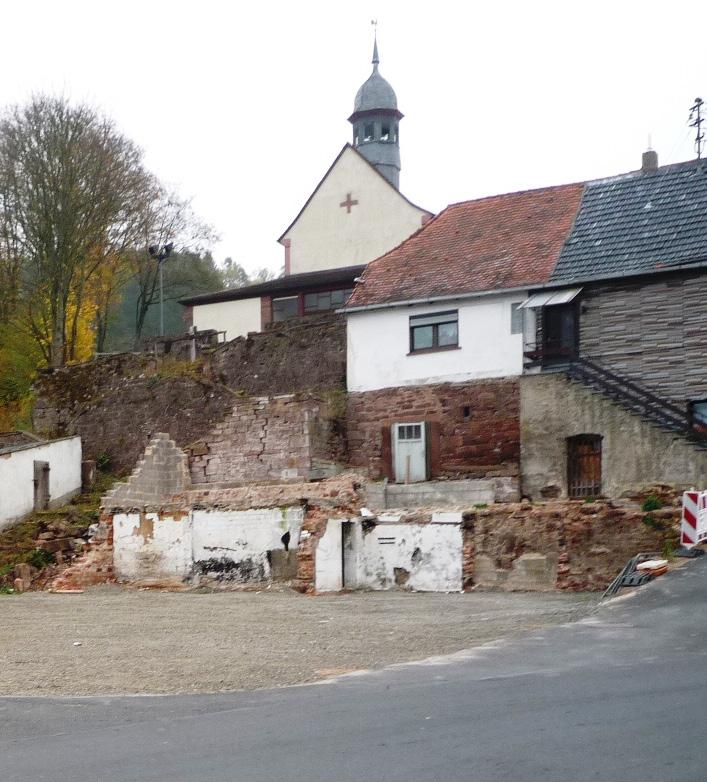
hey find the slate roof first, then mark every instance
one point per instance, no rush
(638, 223)
(504, 241)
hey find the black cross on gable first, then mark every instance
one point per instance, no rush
(348, 203)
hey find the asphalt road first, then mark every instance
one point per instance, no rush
(619, 697)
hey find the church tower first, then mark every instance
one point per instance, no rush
(375, 124)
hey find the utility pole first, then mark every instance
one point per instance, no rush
(695, 121)
(160, 254)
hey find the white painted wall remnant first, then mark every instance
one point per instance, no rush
(152, 546)
(421, 557)
(390, 554)
(327, 235)
(378, 345)
(233, 546)
(17, 476)
(328, 564)
(223, 545)
(236, 318)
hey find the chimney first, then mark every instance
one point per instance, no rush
(649, 161)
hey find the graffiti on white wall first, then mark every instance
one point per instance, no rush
(221, 545)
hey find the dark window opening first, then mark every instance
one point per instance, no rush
(325, 300)
(357, 134)
(368, 132)
(440, 330)
(285, 309)
(395, 133)
(697, 412)
(467, 412)
(584, 465)
(385, 133)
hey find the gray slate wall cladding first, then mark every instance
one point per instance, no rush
(652, 332)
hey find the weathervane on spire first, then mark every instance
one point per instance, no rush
(375, 59)
(695, 121)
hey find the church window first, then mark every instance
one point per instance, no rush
(385, 133)
(357, 134)
(395, 134)
(434, 332)
(368, 131)
(285, 308)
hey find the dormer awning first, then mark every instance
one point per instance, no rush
(548, 298)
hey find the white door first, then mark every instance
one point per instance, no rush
(410, 452)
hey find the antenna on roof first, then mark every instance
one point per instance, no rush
(695, 121)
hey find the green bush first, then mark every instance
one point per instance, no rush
(651, 503)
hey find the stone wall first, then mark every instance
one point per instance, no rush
(474, 427)
(634, 452)
(651, 331)
(117, 403)
(570, 545)
(306, 354)
(270, 439)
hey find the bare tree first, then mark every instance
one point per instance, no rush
(73, 191)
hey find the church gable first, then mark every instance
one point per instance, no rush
(353, 216)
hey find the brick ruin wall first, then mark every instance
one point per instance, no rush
(474, 427)
(584, 545)
(117, 403)
(271, 439)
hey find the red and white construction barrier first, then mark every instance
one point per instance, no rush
(693, 528)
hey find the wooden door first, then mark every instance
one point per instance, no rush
(41, 485)
(584, 465)
(410, 452)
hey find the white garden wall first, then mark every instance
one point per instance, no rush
(378, 349)
(17, 476)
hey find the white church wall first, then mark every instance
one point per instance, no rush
(236, 318)
(378, 345)
(17, 476)
(327, 236)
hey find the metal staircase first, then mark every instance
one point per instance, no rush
(636, 399)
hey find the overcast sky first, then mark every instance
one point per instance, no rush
(244, 106)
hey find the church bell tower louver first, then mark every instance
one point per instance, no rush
(375, 121)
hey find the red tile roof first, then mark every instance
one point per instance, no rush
(504, 241)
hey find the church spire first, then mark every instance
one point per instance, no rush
(375, 122)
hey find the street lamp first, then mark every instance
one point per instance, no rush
(160, 254)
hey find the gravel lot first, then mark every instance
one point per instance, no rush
(159, 642)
